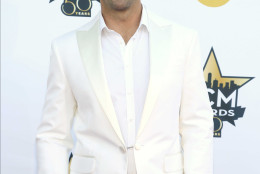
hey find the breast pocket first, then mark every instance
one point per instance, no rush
(82, 165)
(173, 163)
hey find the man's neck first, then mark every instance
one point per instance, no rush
(123, 22)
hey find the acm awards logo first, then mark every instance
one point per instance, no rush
(213, 3)
(79, 8)
(223, 94)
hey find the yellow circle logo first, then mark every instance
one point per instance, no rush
(213, 3)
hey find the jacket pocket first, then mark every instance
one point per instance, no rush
(173, 162)
(82, 164)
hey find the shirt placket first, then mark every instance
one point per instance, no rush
(127, 51)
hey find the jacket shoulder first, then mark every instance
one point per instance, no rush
(176, 27)
(70, 36)
(62, 39)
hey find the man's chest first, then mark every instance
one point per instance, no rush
(126, 65)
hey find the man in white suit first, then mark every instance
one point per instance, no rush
(130, 84)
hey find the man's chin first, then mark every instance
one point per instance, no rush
(120, 5)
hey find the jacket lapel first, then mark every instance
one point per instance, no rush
(89, 43)
(160, 47)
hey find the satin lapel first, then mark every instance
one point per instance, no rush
(89, 43)
(160, 47)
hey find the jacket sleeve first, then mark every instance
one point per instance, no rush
(196, 116)
(53, 138)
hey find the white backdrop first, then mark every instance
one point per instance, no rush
(27, 28)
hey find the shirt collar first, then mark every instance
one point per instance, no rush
(143, 22)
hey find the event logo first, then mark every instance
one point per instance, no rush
(213, 3)
(223, 94)
(81, 8)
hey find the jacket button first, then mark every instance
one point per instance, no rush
(138, 146)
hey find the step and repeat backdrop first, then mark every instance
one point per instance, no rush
(230, 45)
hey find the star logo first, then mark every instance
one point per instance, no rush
(223, 93)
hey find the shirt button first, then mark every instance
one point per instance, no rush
(131, 119)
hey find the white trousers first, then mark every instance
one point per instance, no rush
(131, 168)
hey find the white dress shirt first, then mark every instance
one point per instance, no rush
(127, 72)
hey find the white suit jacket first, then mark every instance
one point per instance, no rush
(176, 129)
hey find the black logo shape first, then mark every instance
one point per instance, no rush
(79, 8)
